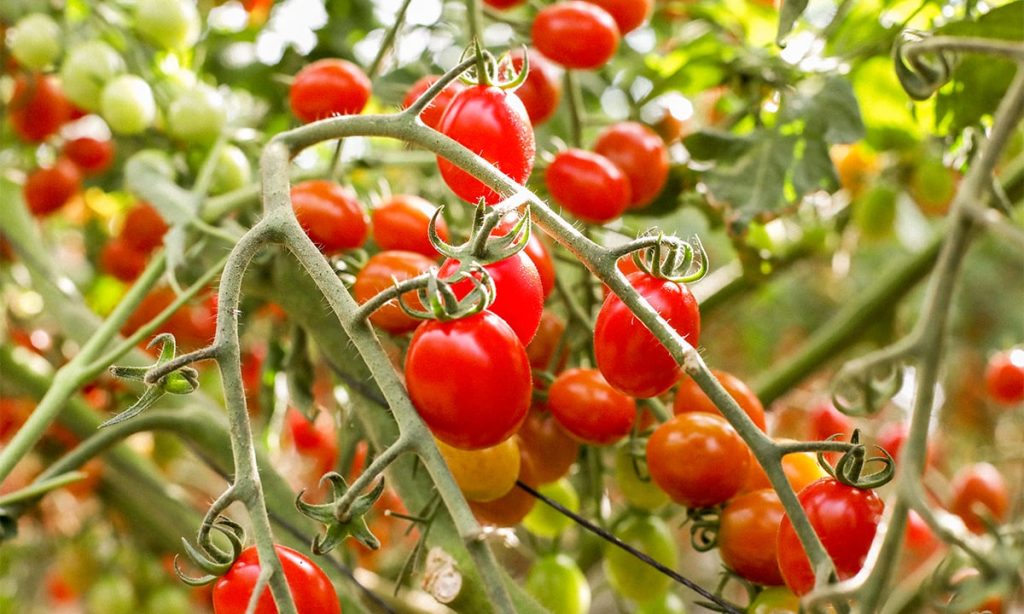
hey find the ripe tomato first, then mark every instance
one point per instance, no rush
(537, 250)
(144, 228)
(469, 379)
(1004, 377)
(315, 439)
(544, 520)
(47, 189)
(631, 577)
(634, 481)
(891, 438)
(628, 14)
(38, 107)
(92, 156)
(493, 124)
(542, 90)
(588, 185)
(698, 459)
(589, 409)
(845, 519)
(509, 509)
(431, 116)
(979, 490)
(503, 4)
(689, 397)
(825, 421)
(576, 34)
(401, 221)
(86, 69)
(856, 166)
(379, 273)
(546, 448)
(330, 215)
(485, 474)
(520, 297)
(193, 325)
(628, 355)
(311, 589)
(801, 469)
(122, 260)
(920, 540)
(556, 582)
(328, 87)
(35, 41)
(746, 536)
(642, 156)
(127, 104)
(542, 348)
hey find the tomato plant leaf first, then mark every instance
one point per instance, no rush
(754, 183)
(717, 145)
(828, 109)
(791, 11)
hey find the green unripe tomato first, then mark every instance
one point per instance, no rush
(545, 521)
(233, 170)
(557, 583)
(127, 104)
(775, 600)
(932, 186)
(640, 493)
(631, 577)
(111, 595)
(197, 115)
(87, 69)
(168, 600)
(168, 24)
(152, 161)
(669, 603)
(35, 41)
(874, 212)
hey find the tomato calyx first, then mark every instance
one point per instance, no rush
(208, 557)
(340, 518)
(668, 257)
(498, 72)
(849, 469)
(183, 380)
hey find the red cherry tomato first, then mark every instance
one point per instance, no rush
(628, 355)
(520, 296)
(549, 451)
(379, 273)
(542, 90)
(588, 408)
(328, 87)
(330, 215)
(47, 189)
(642, 156)
(845, 519)
(38, 108)
(588, 185)
(315, 438)
(469, 379)
(920, 539)
(310, 587)
(144, 228)
(698, 459)
(544, 344)
(122, 260)
(825, 421)
(690, 397)
(509, 509)
(503, 4)
(91, 155)
(537, 250)
(432, 115)
(1004, 377)
(628, 14)
(746, 536)
(493, 124)
(801, 469)
(401, 222)
(576, 34)
(892, 436)
(979, 490)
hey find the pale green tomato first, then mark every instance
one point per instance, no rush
(168, 600)
(557, 583)
(640, 493)
(168, 24)
(233, 170)
(111, 595)
(545, 521)
(631, 577)
(669, 603)
(775, 600)
(127, 104)
(874, 211)
(197, 115)
(35, 41)
(86, 69)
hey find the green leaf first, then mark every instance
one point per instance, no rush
(814, 169)
(755, 183)
(717, 145)
(791, 10)
(299, 370)
(828, 107)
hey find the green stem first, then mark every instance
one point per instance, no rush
(576, 111)
(377, 467)
(389, 40)
(40, 487)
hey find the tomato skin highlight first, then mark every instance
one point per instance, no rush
(469, 379)
(979, 487)
(628, 14)
(311, 589)
(432, 114)
(330, 215)
(746, 536)
(628, 355)
(845, 519)
(642, 156)
(698, 459)
(379, 273)
(47, 189)
(1004, 377)
(328, 87)
(401, 221)
(542, 90)
(576, 34)
(588, 185)
(689, 397)
(589, 409)
(493, 124)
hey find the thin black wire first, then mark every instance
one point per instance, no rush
(605, 535)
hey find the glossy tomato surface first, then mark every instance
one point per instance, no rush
(588, 407)
(698, 459)
(628, 355)
(38, 107)
(689, 397)
(746, 536)
(493, 124)
(434, 111)
(485, 474)
(47, 189)
(542, 90)
(979, 490)
(845, 519)
(381, 272)
(401, 221)
(311, 589)
(328, 87)
(628, 14)
(122, 260)
(330, 215)
(547, 449)
(642, 156)
(587, 185)
(144, 228)
(469, 379)
(92, 156)
(1004, 377)
(576, 34)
